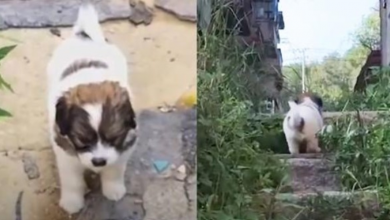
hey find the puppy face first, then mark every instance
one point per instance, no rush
(98, 121)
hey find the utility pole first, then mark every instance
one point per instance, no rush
(385, 28)
(303, 73)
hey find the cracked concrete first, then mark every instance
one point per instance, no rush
(160, 72)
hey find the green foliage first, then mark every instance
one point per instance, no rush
(3, 84)
(334, 77)
(361, 144)
(368, 34)
(238, 176)
(361, 152)
(232, 166)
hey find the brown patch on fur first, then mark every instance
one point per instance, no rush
(302, 146)
(118, 116)
(97, 93)
(309, 145)
(301, 125)
(83, 64)
(64, 142)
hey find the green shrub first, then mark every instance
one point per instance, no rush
(233, 168)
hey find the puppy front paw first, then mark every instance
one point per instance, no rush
(72, 202)
(114, 190)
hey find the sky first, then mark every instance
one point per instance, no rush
(320, 26)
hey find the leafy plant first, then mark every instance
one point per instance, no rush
(4, 51)
(233, 168)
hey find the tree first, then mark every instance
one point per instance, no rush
(368, 34)
(335, 76)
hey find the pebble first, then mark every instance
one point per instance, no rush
(180, 173)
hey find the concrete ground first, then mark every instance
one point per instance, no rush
(162, 59)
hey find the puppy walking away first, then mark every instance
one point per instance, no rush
(91, 119)
(302, 123)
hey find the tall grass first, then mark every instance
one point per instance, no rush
(233, 169)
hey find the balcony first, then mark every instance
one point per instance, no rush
(265, 10)
(280, 21)
(269, 32)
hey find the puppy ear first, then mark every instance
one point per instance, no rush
(62, 116)
(128, 114)
(316, 99)
(118, 117)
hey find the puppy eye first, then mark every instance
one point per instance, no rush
(84, 147)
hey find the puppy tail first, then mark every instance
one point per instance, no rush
(87, 24)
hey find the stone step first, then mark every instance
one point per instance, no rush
(330, 116)
(311, 173)
(328, 205)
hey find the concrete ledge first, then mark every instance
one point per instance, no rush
(36, 14)
(311, 173)
(326, 205)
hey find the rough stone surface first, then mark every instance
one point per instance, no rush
(140, 13)
(49, 13)
(30, 167)
(158, 203)
(182, 9)
(358, 205)
(189, 142)
(152, 196)
(312, 175)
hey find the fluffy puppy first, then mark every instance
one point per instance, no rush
(302, 123)
(91, 119)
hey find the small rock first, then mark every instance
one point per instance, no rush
(182, 9)
(182, 169)
(172, 59)
(181, 173)
(166, 109)
(140, 13)
(30, 167)
(55, 31)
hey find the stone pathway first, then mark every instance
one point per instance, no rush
(160, 72)
(316, 187)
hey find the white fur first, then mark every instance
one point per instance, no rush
(313, 123)
(71, 168)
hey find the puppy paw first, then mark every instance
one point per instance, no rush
(72, 202)
(114, 190)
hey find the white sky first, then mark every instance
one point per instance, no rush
(322, 26)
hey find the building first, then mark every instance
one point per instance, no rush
(257, 24)
(261, 21)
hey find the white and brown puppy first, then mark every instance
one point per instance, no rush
(302, 123)
(91, 119)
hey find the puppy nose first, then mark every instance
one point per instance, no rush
(99, 162)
